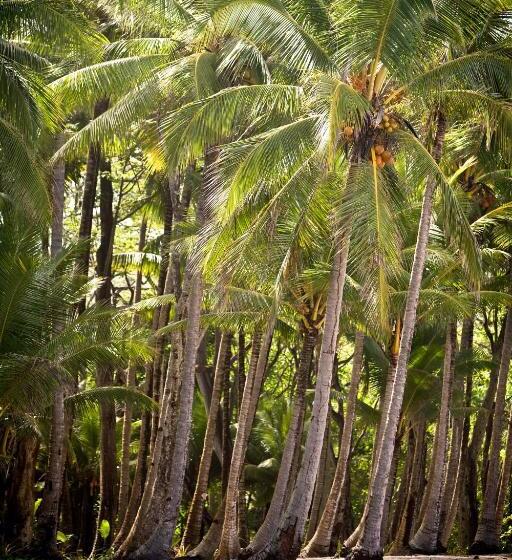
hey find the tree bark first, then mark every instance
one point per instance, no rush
(20, 495)
(48, 517)
(401, 543)
(278, 502)
(426, 539)
(229, 546)
(487, 537)
(192, 530)
(124, 474)
(104, 375)
(505, 477)
(369, 543)
(321, 541)
(287, 540)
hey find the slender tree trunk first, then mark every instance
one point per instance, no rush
(58, 184)
(278, 501)
(426, 539)
(193, 526)
(487, 538)
(124, 474)
(20, 495)
(384, 405)
(455, 473)
(229, 546)
(505, 477)
(151, 534)
(401, 543)
(323, 481)
(405, 483)
(321, 541)
(88, 202)
(48, 515)
(104, 375)
(287, 541)
(390, 489)
(369, 543)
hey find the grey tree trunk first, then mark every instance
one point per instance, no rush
(229, 546)
(278, 502)
(192, 530)
(104, 374)
(151, 534)
(321, 542)
(505, 477)
(426, 539)
(369, 543)
(18, 526)
(487, 537)
(351, 541)
(124, 472)
(401, 543)
(48, 514)
(287, 541)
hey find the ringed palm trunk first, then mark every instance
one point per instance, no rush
(287, 541)
(401, 543)
(505, 477)
(17, 529)
(351, 541)
(487, 537)
(124, 474)
(211, 540)
(278, 501)
(48, 518)
(321, 542)
(323, 482)
(194, 521)
(369, 543)
(104, 375)
(426, 539)
(229, 546)
(152, 531)
(151, 537)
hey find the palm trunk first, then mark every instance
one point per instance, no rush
(104, 376)
(229, 546)
(460, 436)
(351, 541)
(278, 501)
(153, 529)
(45, 543)
(287, 541)
(193, 526)
(321, 541)
(405, 483)
(124, 474)
(17, 530)
(390, 489)
(369, 543)
(426, 539)
(505, 476)
(487, 537)
(323, 481)
(401, 543)
(48, 518)
(88, 202)
(58, 183)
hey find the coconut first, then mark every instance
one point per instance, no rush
(379, 149)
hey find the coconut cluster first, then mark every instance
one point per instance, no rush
(382, 156)
(389, 124)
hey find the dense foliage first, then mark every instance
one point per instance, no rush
(255, 278)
